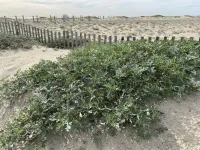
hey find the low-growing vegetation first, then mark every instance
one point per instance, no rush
(8, 41)
(105, 87)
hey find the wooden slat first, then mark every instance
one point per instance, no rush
(105, 39)
(48, 37)
(6, 26)
(128, 38)
(16, 18)
(37, 18)
(41, 33)
(56, 40)
(157, 38)
(72, 39)
(59, 39)
(182, 38)
(99, 39)
(84, 39)
(39, 37)
(64, 39)
(33, 32)
(76, 39)
(52, 39)
(12, 26)
(23, 19)
(67, 39)
(27, 32)
(29, 29)
(9, 28)
(115, 39)
(149, 39)
(3, 26)
(36, 34)
(110, 39)
(1, 30)
(81, 39)
(94, 38)
(89, 39)
(45, 37)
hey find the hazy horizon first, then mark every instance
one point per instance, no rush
(130, 8)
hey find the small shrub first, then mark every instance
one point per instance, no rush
(107, 86)
(14, 42)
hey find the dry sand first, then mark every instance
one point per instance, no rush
(185, 26)
(181, 115)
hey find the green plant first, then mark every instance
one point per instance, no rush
(8, 41)
(106, 86)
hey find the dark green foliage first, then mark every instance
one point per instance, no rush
(109, 86)
(14, 42)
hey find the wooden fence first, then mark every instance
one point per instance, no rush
(65, 39)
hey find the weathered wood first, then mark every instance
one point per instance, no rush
(99, 39)
(9, 28)
(76, 39)
(173, 38)
(41, 33)
(48, 37)
(27, 32)
(105, 39)
(142, 38)
(64, 39)
(52, 39)
(33, 19)
(54, 19)
(182, 38)
(37, 18)
(157, 38)
(122, 39)
(50, 19)
(110, 39)
(38, 32)
(45, 37)
(16, 18)
(16, 28)
(72, 39)
(84, 39)
(29, 29)
(68, 39)
(59, 39)
(33, 32)
(23, 19)
(81, 39)
(199, 40)
(94, 38)
(89, 39)
(56, 40)
(1, 30)
(6, 26)
(149, 39)
(165, 38)
(192, 38)
(134, 38)
(115, 39)
(5, 19)
(128, 38)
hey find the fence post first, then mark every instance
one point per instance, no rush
(149, 39)
(81, 39)
(64, 40)
(33, 19)
(16, 18)
(37, 19)
(165, 38)
(41, 36)
(52, 40)
(115, 39)
(105, 39)
(23, 19)
(94, 38)
(68, 39)
(76, 39)
(89, 39)
(72, 39)
(0, 27)
(56, 41)
(110, 39)
(9, 28)
(85, 39)
(99, 39)
(55, 19)
(50, 19)
(12, 28)
(5, 19)
(45, 38)
(59, 39)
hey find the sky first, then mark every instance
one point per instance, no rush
(129, 8)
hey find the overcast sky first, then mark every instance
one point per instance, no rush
(99, 7)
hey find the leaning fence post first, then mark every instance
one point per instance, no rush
(5, 19)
